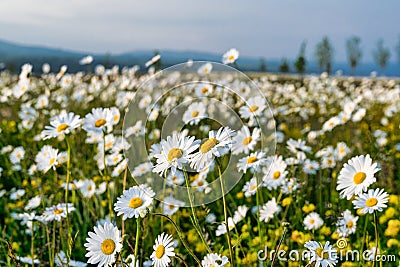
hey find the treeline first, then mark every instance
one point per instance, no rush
(324, 53)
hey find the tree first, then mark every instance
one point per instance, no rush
(300, 63)
(284, 67)
(324, 54)
(381, 55)
(398, 51)
(354, 53)
(263, 65)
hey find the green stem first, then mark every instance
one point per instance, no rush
(195, 222)
(377, 246)
(33, 245)
(258, 216)
(66, 198)
(226, 218)
(365, 232)
(137, 239)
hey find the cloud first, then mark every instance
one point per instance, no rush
(259, 28)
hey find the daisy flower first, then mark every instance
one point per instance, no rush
(171, 205)
(57, 212)
(103, 244)
(325, 256)
(214, 260)
(136, 130)
(152, 60)
(86, 60)
(253, 107)
(313, 221)
(289, 186)
(250, 187)
(373, 200)
(163, 250)
(276, 174)
(87, 188)
(28, 260)
(142, 169)
(47, 158)
(17, 155)
(252, 162)
(356, 176)
(297, 146)
(205, 69)
(330, 124)
(268, 210)
(194, 113)
(204, 89)
(310, 166)
(98, 120)
(240, 214)
(174, 153)
(175, 178)
(347, 224)
(62, 124)
(217, 142)
(33, 203)
(230, 56)
(221, 229)
(341, 150)
(134, 202)
(244, 142)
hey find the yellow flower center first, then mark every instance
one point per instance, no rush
(359, 177)
(312, 221)
(100, 123)
(58, 211)
(231, 58)
(62, 127)
(349, 224)
(247, 140)
(322, 253)
(276, 175)
(116, 118)
(89, 188)
(195, 114)
(342, 150)
(204, 90)
(108, 246)
(251, 160)
(116, 159)
(200, 183)
(52, 160)
(208, 145)
(254, 108)
(171, 206)
(174, 153)
(160, 251)
(253, 187)
(135, 202)
(371, 202)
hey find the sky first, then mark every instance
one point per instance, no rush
(261, 28)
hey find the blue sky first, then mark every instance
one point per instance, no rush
(269, 28)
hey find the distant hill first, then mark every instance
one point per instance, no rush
(15, 55)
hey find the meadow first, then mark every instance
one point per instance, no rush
(111, 167)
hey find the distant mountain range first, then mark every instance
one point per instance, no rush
(13, 56)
